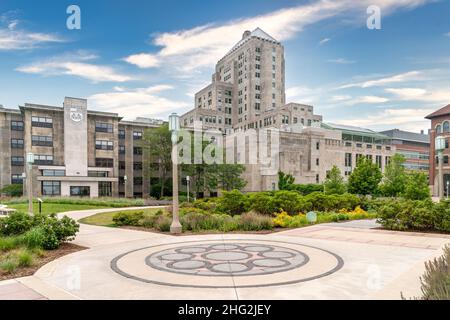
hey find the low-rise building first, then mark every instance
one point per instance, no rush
(77, 152)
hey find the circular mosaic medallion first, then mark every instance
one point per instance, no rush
(232, 263)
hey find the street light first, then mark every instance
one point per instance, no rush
(174, 127)
(125, 179)
(30, 161)
(440, 147)
(187, 185)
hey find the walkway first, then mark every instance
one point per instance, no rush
(350, 260)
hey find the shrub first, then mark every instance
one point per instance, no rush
(262, 202)
(289, 201)
(34, 238)
(162, 223)
(322, 202)
(12, 190)
(131, 218)
(232, 203)
(436, 280)
(416, 187)
(16, 223)
(252, 221)
(206, 204)
(306, 189)
(282, 220)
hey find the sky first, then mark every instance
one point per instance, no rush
(148, 58)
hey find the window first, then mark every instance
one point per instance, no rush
(257, 106)
(104, 163)
(369, 146)
(42, 159)
(121, 134)
(438, 129)
(348, 160)
(317, 161)
(42, 122)
(317, 178)
(446, 127)
(104, 189)
(17, 125)
(137, 181)
(51, 188)
(348, 144)
(137, 135)
(42, 141)
(387, 160)
(104, 127)
(16, 179)
(445, 159)
(388, 148)
(53, 173)
(121, 149)
(17, 143)
(257, 75)
(17, 161)
(98, 174)
(317, 145)
(80, 191)
(137, 151)
(379, 160)
(121, 165)
(137, 166)
(309, 122)
(104, 145)
(359, 145)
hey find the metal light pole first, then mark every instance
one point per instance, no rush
(187, 185)
(125, 178)
(174, 127)
(30, 161)
(440, 147)
(448, 185)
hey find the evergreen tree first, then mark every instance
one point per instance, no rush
(335, 182)
(365, 178)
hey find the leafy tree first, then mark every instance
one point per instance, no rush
(12, 190)
(285, 181)
(365, 178)
(335, 182)
(395, 177)
(416, 187)
(156, 143)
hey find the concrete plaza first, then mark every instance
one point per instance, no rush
(352, 260)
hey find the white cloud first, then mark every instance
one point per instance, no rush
(447, 34)
(419, 94)
(403, 77)
(323, 41)
(411, 119)
(140, 102)
(341, 61)
(205, 45)
(12, 38)
(75, 65)
(339, 98)
(365, 100)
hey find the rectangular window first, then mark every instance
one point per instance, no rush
(137, 151)
(137, 181)
(317, 161)
(43, 159)
(121, 149)
(137, 135)
(51, 188)
(16, 179)
(348, 160)
(42, 122)
(80, 191)
(104, 145)
(317, 145)
(137, 166)
(42, 141)
(104, 127)
(17, 143)
(98, 174)
(104, 163)
(17, 125)
(379, 160)
(17, 161)
(53, 173)
(104, 189)
(121, 134)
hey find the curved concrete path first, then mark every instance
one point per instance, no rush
(377, 264)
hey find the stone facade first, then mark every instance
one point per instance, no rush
(78, 152)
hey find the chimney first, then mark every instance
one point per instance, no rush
(246, 34)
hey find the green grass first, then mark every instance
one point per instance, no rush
(48, 208)
(17, 258)
(106, 219)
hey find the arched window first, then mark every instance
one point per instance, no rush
(446, 127)
(438, 129)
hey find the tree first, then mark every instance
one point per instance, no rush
(335, 182)
(12, 190)
(285, 181)
(395, 177)
(416, 187)
(365, 178)
(156, 143)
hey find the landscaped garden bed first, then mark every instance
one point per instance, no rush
(27, 242)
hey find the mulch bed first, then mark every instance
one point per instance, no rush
(63, 250)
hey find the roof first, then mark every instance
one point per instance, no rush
(407, 136)
(257, 33)
(355, 130)
(441, 112)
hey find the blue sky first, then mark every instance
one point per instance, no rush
(148, 58)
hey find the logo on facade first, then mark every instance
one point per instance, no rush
(76, 115)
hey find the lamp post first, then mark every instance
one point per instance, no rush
(448, 185)
(187, 185)
(30, 161)
(440, 147)
(174, 127)
(125, 179)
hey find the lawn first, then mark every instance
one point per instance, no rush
(49, 208)
(106, 219)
